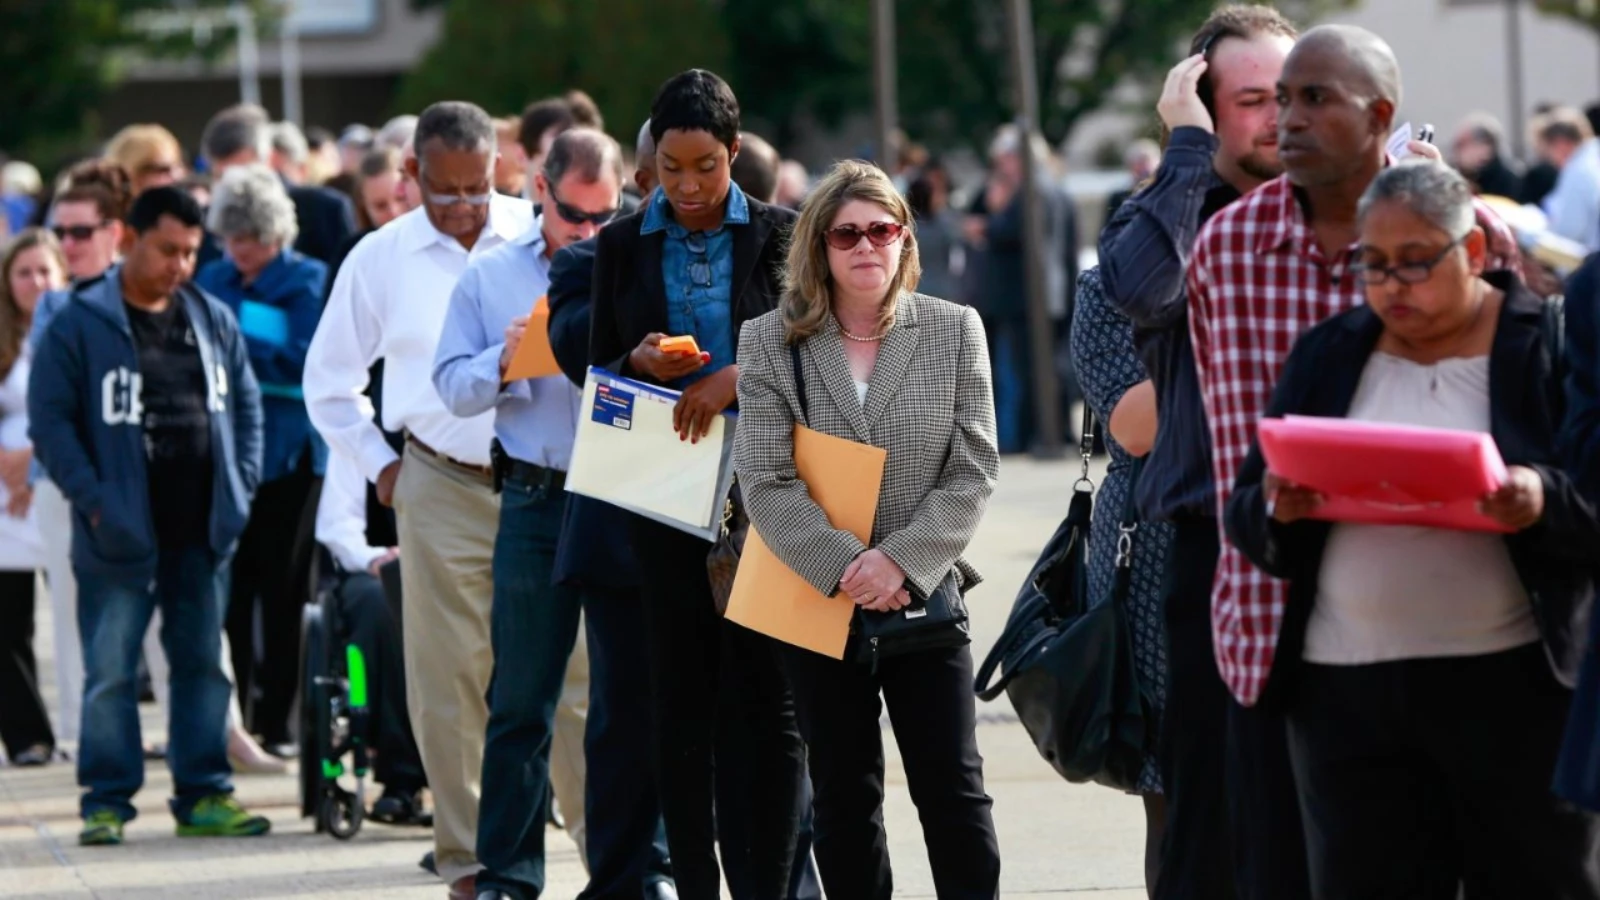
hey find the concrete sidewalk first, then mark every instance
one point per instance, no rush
(1057, 840)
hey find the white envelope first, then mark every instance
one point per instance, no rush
(627, 454)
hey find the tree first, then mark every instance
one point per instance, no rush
(1584, 12)
(61, 58)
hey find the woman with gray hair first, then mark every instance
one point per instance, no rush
(1434, 666)
(277, 295)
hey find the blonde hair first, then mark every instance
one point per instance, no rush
(13, 321)
(808, 280)
(136, 146)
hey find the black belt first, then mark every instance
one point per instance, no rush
(535, 476)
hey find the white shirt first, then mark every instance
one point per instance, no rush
(1573, 205)
(342, 515)
(389, 302)
(1389, 592)
(20, 545)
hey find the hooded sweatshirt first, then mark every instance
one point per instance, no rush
(85, 413)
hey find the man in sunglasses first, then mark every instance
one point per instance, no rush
(389, 302)
(534, 621)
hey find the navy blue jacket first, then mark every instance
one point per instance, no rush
(1143, 252)
(596, 546)
(278, 315)
(87, 430)
(1581, 436)
(326, 218)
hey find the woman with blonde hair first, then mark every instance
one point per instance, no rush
(150, 155)
(31, 265)
(855, 353)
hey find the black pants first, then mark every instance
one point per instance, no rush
(367, 620)
(271, 568)
(1421, 777)
(934, 715)
(1269, 842)
(1196, 861)
(692, 654)
(23, 720)
(734, 812)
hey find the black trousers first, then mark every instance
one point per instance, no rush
(367, 619)
(272, 568)
(23, 720)
(693, 653)
(934, 716)
(1423, 777)
(1269, 843)
(734, 812)
(1196, 862)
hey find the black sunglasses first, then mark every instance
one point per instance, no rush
(846, 237)
(577, 216)
(76, 232)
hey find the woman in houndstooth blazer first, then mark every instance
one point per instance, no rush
(888, 367)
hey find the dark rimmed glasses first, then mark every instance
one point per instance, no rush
(880, 234)
(1405, 273)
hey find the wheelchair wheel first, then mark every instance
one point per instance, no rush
(315, 717)
(340, 814)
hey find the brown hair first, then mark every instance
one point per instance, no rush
(808, 280)
(103, 183)
(13, 321)
(376, 163)
(1237, 21)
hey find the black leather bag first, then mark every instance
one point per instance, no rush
(1067, 666)
(929, 623)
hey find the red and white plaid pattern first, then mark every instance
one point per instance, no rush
(1257, 281)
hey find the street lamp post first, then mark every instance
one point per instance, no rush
(1046, 390)
(883, 80)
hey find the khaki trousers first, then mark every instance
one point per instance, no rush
(447, 522)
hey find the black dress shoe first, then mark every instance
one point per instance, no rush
(36, 755)
(401, 808)
(661, 890)
(282, 749)
(428, 865)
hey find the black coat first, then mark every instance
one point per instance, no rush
(326, 218)
(1553, 559)
(630, 298)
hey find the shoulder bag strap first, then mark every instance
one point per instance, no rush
(1126, 529)
(799, 383)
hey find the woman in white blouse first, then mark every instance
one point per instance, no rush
(1432, 667)
(31, 265)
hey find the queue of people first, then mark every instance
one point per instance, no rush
(1344, 711)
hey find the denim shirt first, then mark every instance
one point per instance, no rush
(697, 271)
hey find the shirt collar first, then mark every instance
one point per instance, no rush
(658, 213)
(1285, 217)
(533, 237)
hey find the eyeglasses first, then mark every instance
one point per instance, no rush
(76, 232)
(577, 216)
(453, 199)
(699, 264)
(880, 234)
(1405, 273)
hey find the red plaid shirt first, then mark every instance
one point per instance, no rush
(1257, 281)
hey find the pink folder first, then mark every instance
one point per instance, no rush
(1387, 474)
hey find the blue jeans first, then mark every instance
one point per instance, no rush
(1013, 385)
(533, 626)
(190, 589)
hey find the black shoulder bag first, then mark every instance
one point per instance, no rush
(1068, 666)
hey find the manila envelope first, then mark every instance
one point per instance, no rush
(534, 358)
(844, 478)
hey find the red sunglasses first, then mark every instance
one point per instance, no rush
(846, 237)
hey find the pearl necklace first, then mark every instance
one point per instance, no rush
(858, 338)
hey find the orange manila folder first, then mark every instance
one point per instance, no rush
(534, 358)
(844, 478)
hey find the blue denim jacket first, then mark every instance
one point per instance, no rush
(697, 270)
(278, 315)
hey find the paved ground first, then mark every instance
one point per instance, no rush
(1057, 839)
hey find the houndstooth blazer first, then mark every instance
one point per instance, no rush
(929, 403)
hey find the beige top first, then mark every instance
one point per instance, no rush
(1390, 592)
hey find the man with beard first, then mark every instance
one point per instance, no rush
(1218, 106)
(1264, 271)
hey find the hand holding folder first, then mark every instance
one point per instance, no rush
(844, 478)
(534, 358)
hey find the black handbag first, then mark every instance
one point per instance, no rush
(1068, 666)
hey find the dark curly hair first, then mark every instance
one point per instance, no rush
(103, 183)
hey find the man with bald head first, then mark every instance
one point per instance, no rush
(1264, 271)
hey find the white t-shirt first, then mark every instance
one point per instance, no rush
(1390, 592)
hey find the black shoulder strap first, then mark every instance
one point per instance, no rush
(1554, 328)
(799, 382)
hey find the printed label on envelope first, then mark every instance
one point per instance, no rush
(613, 407)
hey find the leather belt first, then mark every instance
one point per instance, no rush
(480, 471)
(535, 476)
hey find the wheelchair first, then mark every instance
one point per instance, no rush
(335, 721)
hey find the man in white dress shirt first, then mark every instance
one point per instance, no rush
(389, 302)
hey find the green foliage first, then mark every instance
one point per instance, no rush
(60, 58)
(1584, 12)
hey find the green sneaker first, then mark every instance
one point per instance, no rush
(221, 816)
(102, 829)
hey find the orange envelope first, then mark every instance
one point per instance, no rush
(534, 358)
(844, 478)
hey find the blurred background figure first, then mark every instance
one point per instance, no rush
(1573, 205)
(1477, 152)
(1141, 159)
(150, 155)
(354, 143)
(20, 187)
(794, 182)
(324, 161)
(31, 265)
(290, 152)
(510, 169)
(755, 169)
(397, 132)
(938, 231)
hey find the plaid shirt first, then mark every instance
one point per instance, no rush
(1257, 281)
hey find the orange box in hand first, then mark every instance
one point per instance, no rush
(683, 345)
